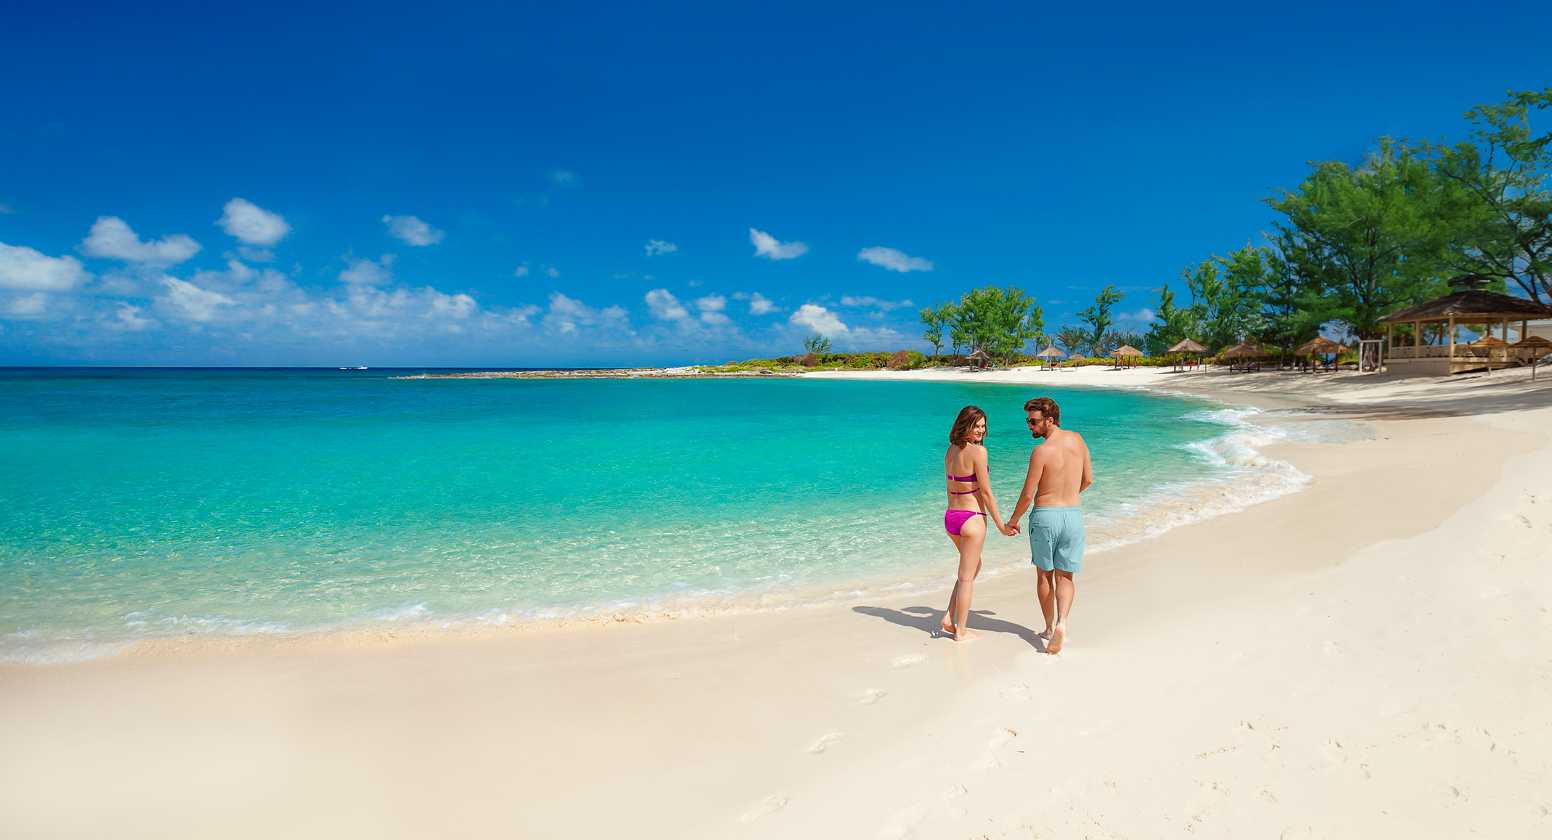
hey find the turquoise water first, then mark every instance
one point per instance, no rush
(153, 503)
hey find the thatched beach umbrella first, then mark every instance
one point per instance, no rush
(1051, 354)
(1319, 346)
(1244, 350)
(1489, 341)
(1531, 348)
(1125, 351)
(1185, 346)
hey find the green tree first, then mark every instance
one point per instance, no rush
(1098, 318)
(1292, 308)
(1215, 304)
(1373, 238)
(936, 318)
(816, 344)
(1503, 221)
(998, 321)
(1072, 339)
(1121, 338)
(1171, 323)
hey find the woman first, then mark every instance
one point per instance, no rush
(969, 503)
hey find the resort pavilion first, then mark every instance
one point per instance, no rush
(1441, 352)
(1125, 354)
(1186, 347)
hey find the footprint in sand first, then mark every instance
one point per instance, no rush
(871, 696)
(992, 758)
(824, 741)
(765, 807)
(1017, 691)
(908, 659)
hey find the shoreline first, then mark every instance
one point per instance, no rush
(1334, 662)
(1168, 506)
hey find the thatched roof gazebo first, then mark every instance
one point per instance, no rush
(1125, 352)
(1320, 346)
(979, 359)
(1051, 354)
(1077, 357)
(1467, 305)
(1186, 347)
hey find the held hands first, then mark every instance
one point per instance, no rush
(1008, 529)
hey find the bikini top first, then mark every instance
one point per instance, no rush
(968, 479)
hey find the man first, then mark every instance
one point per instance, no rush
(1059, 469)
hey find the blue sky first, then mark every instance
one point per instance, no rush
(402, 184)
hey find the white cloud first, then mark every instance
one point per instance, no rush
(252, 224)
(24, 306)
(399, 304)
(712, 309)
(876, 303)
(190, 301)
(520, 271)
(567, 314)
(659, 247)
(664, 306)
(893, 260)
(1141, 316)
(563, 177)
(760, 304)
(28, 270)
(127, 318)
(817, 319)
(412, 231)
(552, 272)
(767, 246)
(112, 238)
(369, 272)
(119, 283)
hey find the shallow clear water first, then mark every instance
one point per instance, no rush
(143, 503)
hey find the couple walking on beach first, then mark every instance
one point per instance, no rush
(1059, 469)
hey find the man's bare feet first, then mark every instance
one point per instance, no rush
(966, 635)
(1058, 634)
(1046, 634)
(946, 626)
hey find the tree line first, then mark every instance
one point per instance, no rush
(1350, 244)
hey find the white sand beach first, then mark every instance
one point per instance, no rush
(1370, 656)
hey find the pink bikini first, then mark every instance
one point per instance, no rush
(953, 518)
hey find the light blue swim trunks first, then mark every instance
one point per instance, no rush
(1056, 538)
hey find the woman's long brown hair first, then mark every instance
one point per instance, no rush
(959, 435)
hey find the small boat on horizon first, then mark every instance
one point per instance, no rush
(357, 367)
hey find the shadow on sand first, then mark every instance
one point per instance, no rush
(927, 620)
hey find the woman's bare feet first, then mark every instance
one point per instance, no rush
(1046, 634)
(1058, 635)
(946, 626)
(966, 635)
